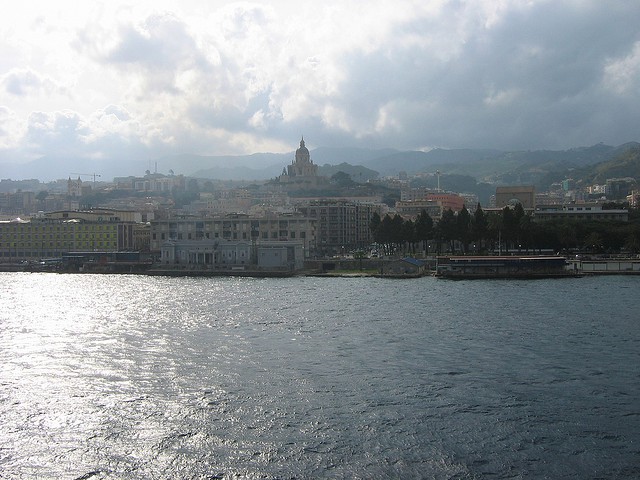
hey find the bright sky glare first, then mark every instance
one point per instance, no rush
(125, 80)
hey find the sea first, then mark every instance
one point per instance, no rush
(143, 377)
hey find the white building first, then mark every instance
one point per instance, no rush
(229, 255)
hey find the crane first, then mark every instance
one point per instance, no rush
(94, 175)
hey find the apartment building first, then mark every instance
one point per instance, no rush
(341, 225)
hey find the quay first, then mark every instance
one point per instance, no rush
(446, 267)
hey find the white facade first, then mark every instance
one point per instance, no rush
(216, 254)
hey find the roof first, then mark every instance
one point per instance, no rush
(413, 261)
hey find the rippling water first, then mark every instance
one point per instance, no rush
(134, 377)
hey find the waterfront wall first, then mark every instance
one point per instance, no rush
(606, 266)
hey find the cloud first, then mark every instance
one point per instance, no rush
(59, 131)
(622, 75)
(150, 79)
(23, 82)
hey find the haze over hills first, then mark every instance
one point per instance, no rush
(539, 167)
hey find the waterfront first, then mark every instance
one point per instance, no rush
(121, 376)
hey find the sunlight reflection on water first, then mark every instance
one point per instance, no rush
(145, 377)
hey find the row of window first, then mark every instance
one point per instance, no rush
(51, 236)
(58, 243)
(231, 226)
(229, 235)
(27, 228)
(39, 249)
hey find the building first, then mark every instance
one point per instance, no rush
(51, 237)
(235, 228)
(302, 174)
(509, 196)
(76, 188)
(585, 212)
(408, 194)
(98, 215)
(234, 256)
(619, 188)
(446, 200)
(413, 208)
(302, 166)
(434, 203)
(341, 226)
(18, 203)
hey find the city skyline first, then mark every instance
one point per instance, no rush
(127, 82)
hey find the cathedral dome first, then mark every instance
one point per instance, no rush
(302, 150)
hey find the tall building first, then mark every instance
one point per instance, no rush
(340, 225)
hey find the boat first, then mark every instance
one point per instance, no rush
(487, 267)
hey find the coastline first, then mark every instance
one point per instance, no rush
(577, 267)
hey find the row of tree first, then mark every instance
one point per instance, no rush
(509, 230)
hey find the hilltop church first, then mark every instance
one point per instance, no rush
(302, 174)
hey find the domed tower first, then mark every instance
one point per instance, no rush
(302, 166)
(302, 153)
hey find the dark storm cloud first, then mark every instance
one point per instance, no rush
(534, 78)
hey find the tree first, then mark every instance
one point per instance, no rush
(525, 235)
(424, 229)
(463, 227)
(208, 186)
(374, 225)
(479, 226)
(631, 244)
(342, 179)
(409, 234)
(594, 242)
(447, 228)
(567, 235)
(397, 238)
(359, 255)
(509, 226)
(494, 229)
(385, 234)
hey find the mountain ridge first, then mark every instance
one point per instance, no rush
(486, 165)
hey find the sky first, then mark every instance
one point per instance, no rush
(122, 81)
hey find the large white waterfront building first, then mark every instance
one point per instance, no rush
(232, 255)
(236, 228)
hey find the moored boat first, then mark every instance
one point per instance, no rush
(485, 267)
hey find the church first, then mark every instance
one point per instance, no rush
(302, 174)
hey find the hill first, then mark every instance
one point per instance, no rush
(357, 173)
(537, 167)
(621, 161)
(625, 164)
